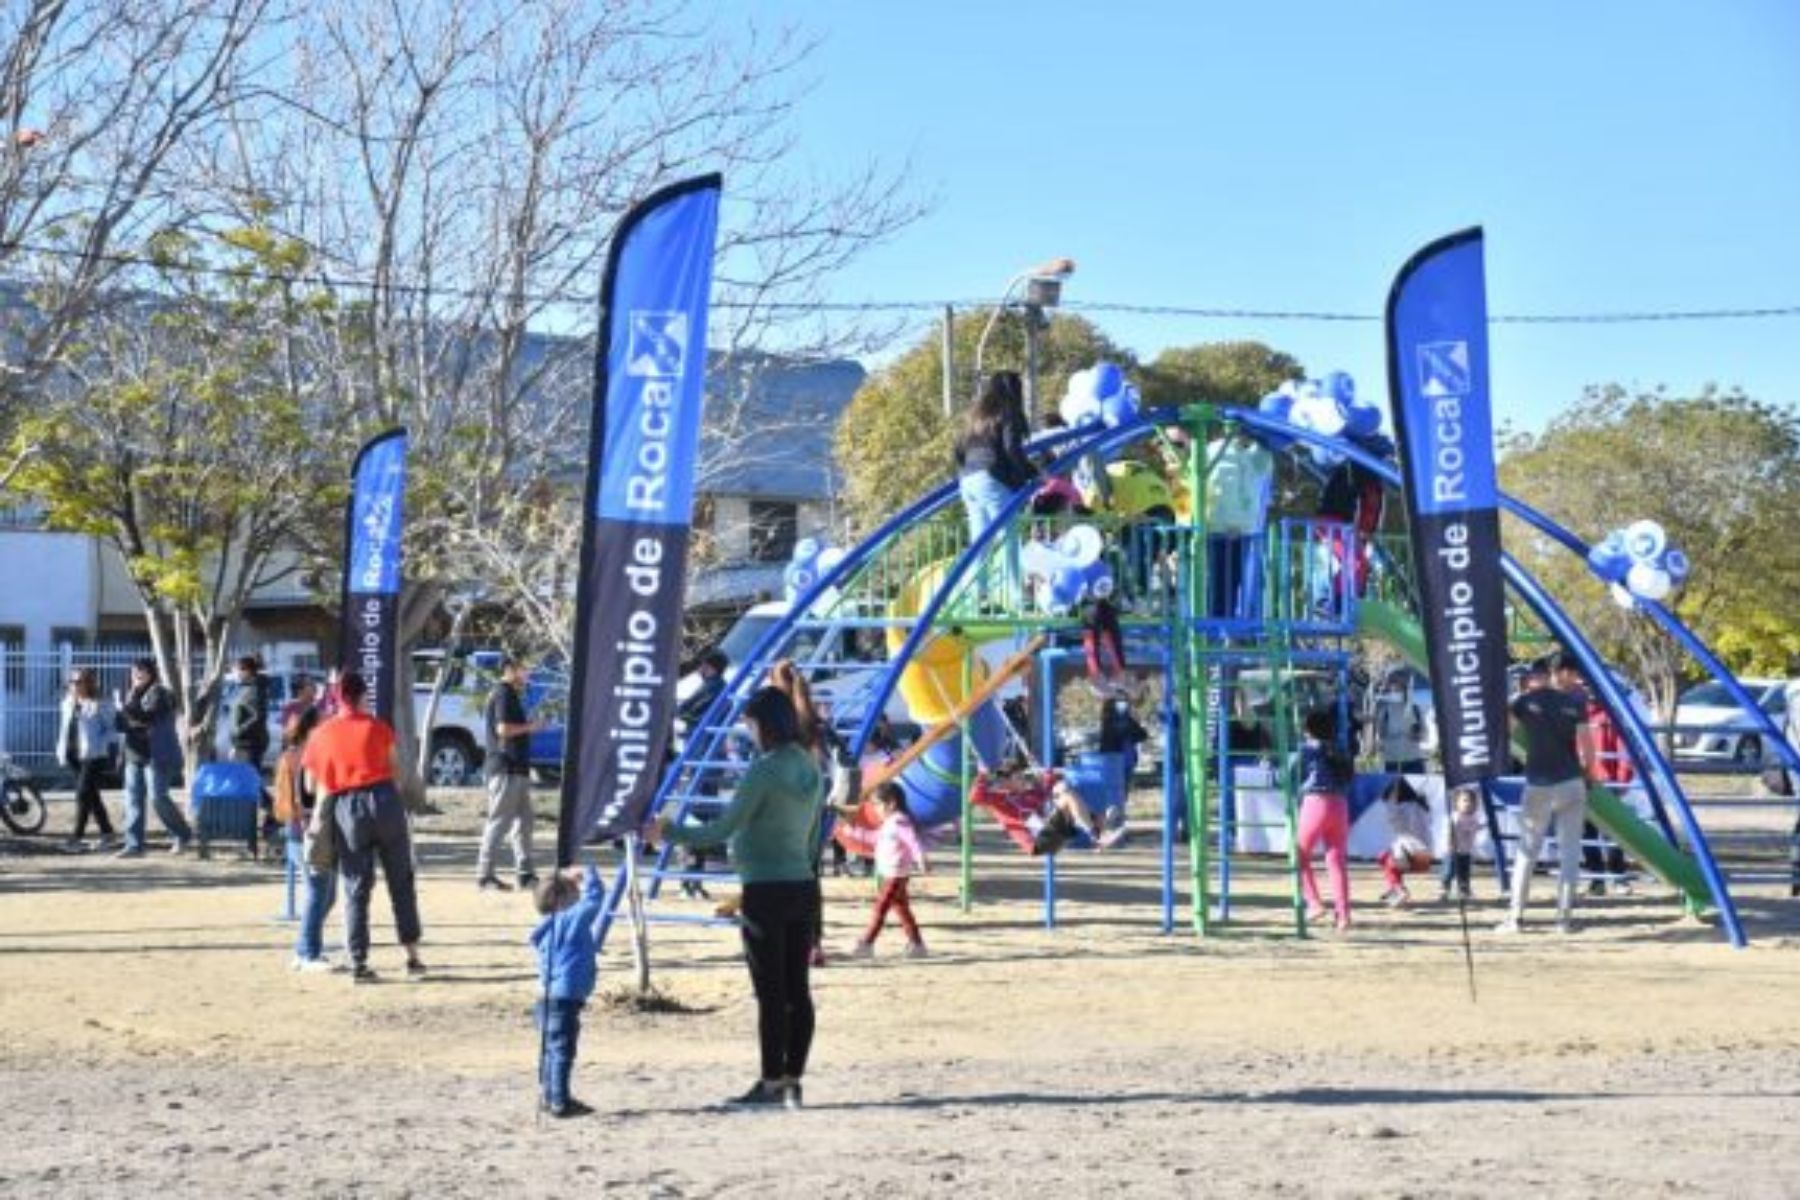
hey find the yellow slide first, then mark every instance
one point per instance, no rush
(931, 683)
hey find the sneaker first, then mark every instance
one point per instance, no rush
(129, 852)
(1444, 894)
(693, 889)
(1510, 925)
(1402, 898)
(178, 846)
(570, 1108)
(792, 1098)
(1596, 887)
(817, 957)
(760, 1095)
(528, 880)
(1316, 916)
(315, 966)
(1620, 887)
(361, 973)
(1566, 925)
(916, 950)
(1464, 894)
(493, 883)
(416, 969)
(863, 949)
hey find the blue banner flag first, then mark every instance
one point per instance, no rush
(1443, 415)
(368, 640)
(650, 369)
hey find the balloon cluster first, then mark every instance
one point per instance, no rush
(1638, 563)
(812, 561)
(1099, 395)
(1072, 567)
(1328, 406)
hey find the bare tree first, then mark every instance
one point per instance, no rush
(95, 98)
(459, 171)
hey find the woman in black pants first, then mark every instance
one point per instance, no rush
(771, 826)
(87, 727)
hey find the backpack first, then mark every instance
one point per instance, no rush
(289, 806)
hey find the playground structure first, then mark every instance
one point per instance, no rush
(1300, 593)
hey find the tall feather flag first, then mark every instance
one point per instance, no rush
(645, 443)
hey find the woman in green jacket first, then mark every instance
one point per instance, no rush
(771, 826)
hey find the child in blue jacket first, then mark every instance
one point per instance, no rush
(566, 953)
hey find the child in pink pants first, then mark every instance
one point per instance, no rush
(1326, 773)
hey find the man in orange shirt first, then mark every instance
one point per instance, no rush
(351, 757)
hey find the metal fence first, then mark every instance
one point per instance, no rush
(32, 686)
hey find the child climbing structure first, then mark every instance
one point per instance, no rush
(1242, 604)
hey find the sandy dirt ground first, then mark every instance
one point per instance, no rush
(154, 1042)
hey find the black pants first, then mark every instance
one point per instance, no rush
(778, 920)
(1594, 860)
(87, 798)
(372, 825)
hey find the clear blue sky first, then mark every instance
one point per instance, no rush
(1640, 155)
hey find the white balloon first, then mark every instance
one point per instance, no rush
(1645, 540)
(1080, 406)
(1040, 558)
(828, 560)
(1081, 545)
(1649, 582)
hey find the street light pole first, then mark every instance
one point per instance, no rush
(1043, 290)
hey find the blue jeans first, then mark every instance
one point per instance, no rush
(321, 894)
(140, 777)
(560, 1023)
(984, 497)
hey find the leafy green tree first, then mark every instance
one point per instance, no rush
(1236, 373)
(193, 437)
(894, 440)
(1720, 472)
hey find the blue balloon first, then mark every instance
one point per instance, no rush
(1066, 588)
(1361, 420)
(798, 577)
(1097, 580)
(1340, 387)
(1108, 379)
(1609, 559)
(807, 549)
(1119, 407)
(1676, 564)
(1279, 406)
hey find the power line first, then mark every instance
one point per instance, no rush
(588, 299)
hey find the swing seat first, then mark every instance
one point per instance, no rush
(1019, 805)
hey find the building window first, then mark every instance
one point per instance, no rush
(774, 528)
(69, 635)
(12, 641)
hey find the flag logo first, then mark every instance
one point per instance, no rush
(1444, 369)
(658, 346)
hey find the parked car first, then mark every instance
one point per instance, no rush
(459, 742)
(1711, 727)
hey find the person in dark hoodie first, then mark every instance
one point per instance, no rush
(152, 756)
